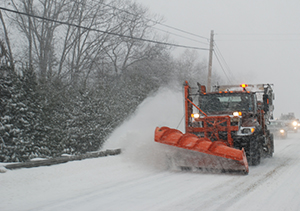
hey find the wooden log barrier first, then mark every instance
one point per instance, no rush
(64, 159)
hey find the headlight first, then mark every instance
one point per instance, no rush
(237, 114)
(246, 131)
(295, 123)
(195, 115)
(282, 131)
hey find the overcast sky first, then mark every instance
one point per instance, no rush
(258, 39)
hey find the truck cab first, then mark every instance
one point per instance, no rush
(238, 117)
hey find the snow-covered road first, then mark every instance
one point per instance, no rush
(138, 179)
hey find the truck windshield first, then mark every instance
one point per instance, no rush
(226, 102)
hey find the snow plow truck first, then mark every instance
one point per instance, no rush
(225, 130)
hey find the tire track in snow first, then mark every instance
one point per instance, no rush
(107, 195)
(244, 191)
(233, 194)
(228, 192)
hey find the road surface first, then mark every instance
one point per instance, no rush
(139, 179)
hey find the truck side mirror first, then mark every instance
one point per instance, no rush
(266, 106)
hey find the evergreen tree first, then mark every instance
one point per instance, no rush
(22, 132)
(34, 130)
(11, 117)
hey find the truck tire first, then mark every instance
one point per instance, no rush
(271, 146)
(255, 151)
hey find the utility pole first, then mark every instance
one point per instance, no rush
(211, 48)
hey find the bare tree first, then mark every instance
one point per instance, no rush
(83, 45)
(187, 67)
(75, 39)
(40, 32)
(8, 54)
(133, 23)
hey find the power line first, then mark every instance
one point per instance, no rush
(224, 61)
(104, 32)
(227, 66)
(180, 36)
(259, 37)
(259, 34)
(222, 68)
(171, 27)
(183, 31)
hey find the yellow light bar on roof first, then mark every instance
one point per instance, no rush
(244, 85)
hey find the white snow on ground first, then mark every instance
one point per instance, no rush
(139, 180)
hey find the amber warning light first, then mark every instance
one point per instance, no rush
(244, 85)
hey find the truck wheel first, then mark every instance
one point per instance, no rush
(271, 146)
(255, 152)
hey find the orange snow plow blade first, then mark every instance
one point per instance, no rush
(202, 153)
